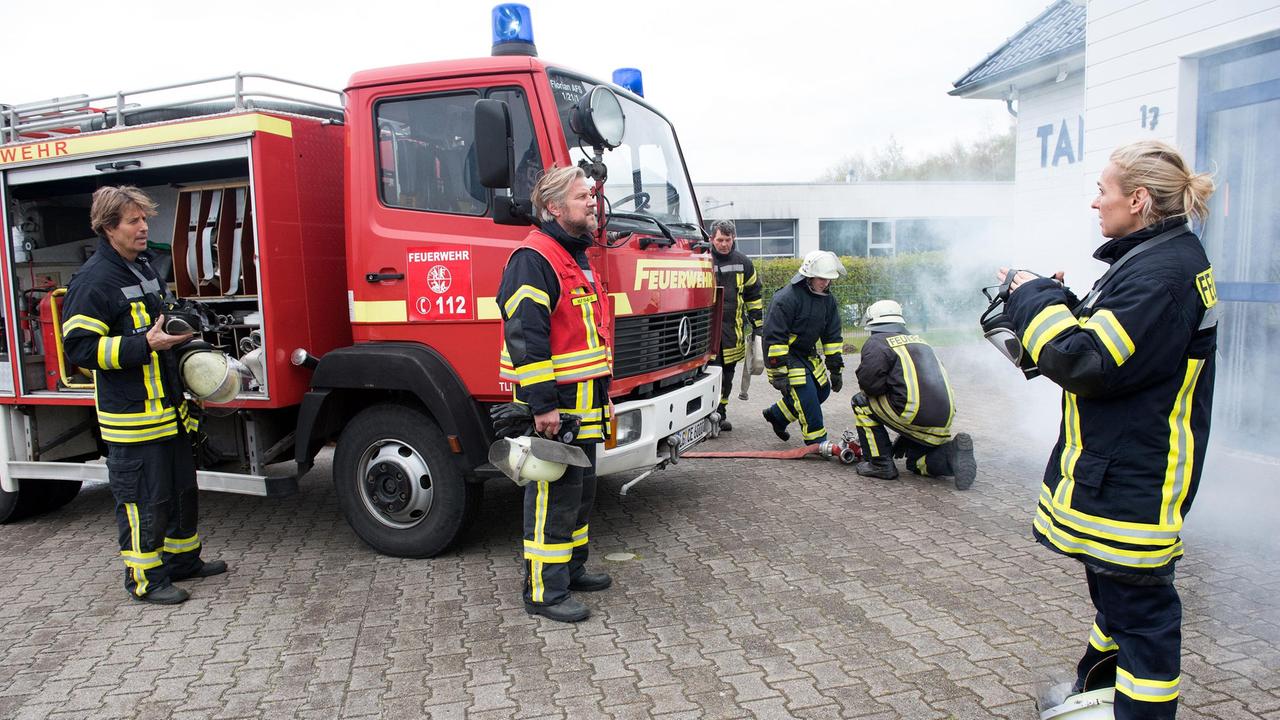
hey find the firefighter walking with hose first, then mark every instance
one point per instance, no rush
(803, 343)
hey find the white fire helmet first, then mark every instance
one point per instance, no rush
(822, 264)
(883, 311)
(528, 459)
(1093, 705)
(212, 375)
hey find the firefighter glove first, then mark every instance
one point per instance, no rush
(859, 400)
(778, 379)
(835, 363)
(837, 381)
(511, 420)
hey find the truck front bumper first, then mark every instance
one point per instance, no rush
(661, 417)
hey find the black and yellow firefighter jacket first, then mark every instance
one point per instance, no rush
(1135, 361)
(737, 275)
(906, 384)
(106, 315)
(802, 330)
(555, 329)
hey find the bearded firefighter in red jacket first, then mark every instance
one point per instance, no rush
(556, 355)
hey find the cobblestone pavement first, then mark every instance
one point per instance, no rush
(769, 589)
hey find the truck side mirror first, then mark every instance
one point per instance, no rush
(495, 144)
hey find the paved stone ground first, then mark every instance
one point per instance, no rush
(769, 589)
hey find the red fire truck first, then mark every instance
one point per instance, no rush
(349, 253)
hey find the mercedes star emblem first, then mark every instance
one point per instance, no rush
(685, 337)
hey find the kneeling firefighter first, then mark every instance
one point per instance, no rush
(803, 341)
(904, 386)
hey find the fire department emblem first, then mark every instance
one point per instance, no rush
(439, 279)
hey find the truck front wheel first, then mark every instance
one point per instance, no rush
(34, 498)
(396, 484)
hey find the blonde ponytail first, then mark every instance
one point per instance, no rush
(1173, 190)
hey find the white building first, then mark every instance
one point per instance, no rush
(865, 219)
(1203, 75)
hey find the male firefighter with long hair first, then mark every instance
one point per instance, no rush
(742, 307)
(114, 314)
(556, 355)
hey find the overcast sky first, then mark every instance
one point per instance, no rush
(758, 91)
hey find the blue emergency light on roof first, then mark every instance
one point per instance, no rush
(630, 79)
(513, 30)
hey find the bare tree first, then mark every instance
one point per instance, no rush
(987, 158)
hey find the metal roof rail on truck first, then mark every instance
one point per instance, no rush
(81, 113)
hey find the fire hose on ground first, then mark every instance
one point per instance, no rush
(846, 450)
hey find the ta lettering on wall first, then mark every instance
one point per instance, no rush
(1059, 137)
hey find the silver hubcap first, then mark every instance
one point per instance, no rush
(395, 484)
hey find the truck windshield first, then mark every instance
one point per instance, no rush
(646, 173)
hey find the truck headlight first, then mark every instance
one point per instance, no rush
(628, 428)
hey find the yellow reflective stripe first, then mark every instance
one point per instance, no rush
(815, 433)
(1075, 545)
(800, 415)
(86, 323)
(778, 350)
(585, 372)
(133, 436)
(526, 292)
(912, 381)
(591, 432)
(933, 436)
(755, 304)
(1119, 530)
(139, 562)
(173, 545)
(135, 541)
(537, 588)
(786, 411)
(831, 348)
(533, 373)
(549, 557)
(589, 320)
(139, 418)
(1182, 449)
(1071, 445)
(580, 536)
(1107, 327)
(1100, 640)
(1146, 689)
(109, 353)
(575, 356)
(138, 311)
(1045, 326)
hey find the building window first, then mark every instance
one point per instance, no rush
(878, 237)
(765, 238)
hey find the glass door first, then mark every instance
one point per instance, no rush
(1239, 110)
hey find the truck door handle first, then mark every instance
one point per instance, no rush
(118, 165)
(381, 276)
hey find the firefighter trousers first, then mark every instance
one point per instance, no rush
(556, 514)
(726, 383)
(922, 459)
(803, 404)
(154, 486)
(1142, 625)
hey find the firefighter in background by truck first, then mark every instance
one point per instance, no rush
(1135, 359)
(114, 314)
(743, 308)
(904, 386)
(556, 355)
(803, 341)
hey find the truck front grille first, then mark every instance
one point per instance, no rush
(646, 343)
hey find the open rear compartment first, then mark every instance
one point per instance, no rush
(206, 218)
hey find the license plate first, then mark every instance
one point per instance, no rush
(692, 435)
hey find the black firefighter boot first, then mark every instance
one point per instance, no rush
(725, 425)
(963, 463)
(878, 467)
(779, 426)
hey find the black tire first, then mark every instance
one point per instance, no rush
(56, 493)
(34, 498)
(397, 484)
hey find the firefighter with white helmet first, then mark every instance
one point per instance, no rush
(803, 344)
(904, 386)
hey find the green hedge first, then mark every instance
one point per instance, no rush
(922, 282)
